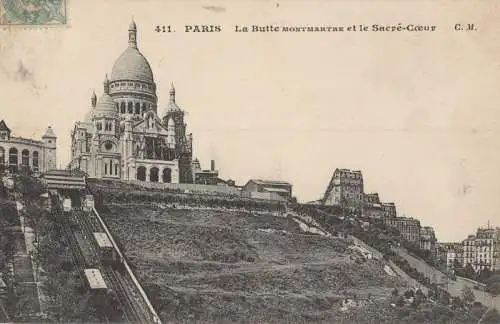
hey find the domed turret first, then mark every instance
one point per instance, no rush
(49, 133)
(106, 84)
(90, 112)
(171, 103)
(93, 99)
(105, 107)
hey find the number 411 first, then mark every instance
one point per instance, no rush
(163, 29)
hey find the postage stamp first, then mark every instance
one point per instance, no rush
(32, 12)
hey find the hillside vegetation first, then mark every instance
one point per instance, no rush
(225, 266)
(226, 259)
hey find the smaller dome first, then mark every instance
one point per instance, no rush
(106, 107)
(172, 106)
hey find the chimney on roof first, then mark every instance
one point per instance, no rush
(212, 165)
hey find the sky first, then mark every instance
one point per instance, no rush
(416, 112)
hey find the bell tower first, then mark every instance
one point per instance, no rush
(50, 142)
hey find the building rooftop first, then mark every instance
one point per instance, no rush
(275, 190)
(349, 170)
(3, 126)
(49, 133)
(270, 182)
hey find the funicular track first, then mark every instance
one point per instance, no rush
(78, 228)
(111, 276)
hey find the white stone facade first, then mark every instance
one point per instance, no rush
(122, 135)
(18, 152)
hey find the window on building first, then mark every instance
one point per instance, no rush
(35, 160)
(25, 158)
(2, 156)
(141, 173)
(13, 159)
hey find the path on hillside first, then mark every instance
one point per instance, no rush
(454, 287)
(26, 285)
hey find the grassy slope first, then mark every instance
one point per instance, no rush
(217, 266)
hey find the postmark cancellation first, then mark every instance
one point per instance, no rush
(33, 12)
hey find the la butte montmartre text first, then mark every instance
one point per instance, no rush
(275, 28)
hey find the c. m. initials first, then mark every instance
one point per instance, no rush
(465, 27)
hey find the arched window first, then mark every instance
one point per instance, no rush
(2, 156)
(35, 160)
(98, 125)
(137, 108)
(105, 168)
(153, 174)
(141, 173)
(116, 169)
(25, 158)
(143, 108)
(110, 166)
(130, 108)
(122, 107)
(167, 175)
(13, 156)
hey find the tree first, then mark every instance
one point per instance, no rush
(457, 303)
(419, 295)
(31, 188)
(400, 302)
(484, 275)
(469, 272)
(491, 316)
(409, 293)
(468, 295)
(493, 284)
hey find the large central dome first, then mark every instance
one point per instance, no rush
(132, 65)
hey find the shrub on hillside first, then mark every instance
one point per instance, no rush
(492, 316)
(493, 284)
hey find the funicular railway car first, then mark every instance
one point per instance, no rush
(99, 293)
(85, 247)
(107, 251)
(95, 281)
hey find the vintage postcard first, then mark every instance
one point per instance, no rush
(249, 161)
